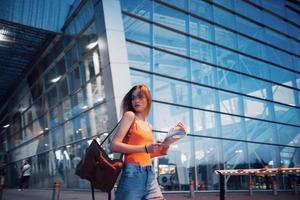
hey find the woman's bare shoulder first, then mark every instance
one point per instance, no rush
(129, 115)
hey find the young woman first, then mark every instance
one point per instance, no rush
(138, 181)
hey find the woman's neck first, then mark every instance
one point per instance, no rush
(141, 116)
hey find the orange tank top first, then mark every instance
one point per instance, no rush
(139, 136)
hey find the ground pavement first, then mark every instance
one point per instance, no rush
(33, 194)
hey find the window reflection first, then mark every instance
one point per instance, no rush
(138, 56)
(171, 91)
(255, 108)
(171, 65)
(229, 103)
(170, 40)
(207, 155)
(170, 17)
(176, 169)
(203, 73)
(136, 29)
(235, 158)
(200, 28)
(204, 123)
(172, 115)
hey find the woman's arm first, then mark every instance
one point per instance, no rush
(117, 144)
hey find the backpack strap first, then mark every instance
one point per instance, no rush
(109, 195)
(110, 133)
(92, 190)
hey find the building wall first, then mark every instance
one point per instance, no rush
(232, 77)
(229, 70)
(62, 103)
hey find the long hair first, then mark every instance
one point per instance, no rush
(126, 104)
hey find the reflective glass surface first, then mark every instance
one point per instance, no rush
(227, 71)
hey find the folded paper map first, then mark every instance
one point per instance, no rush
(175, 134)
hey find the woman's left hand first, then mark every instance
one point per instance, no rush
(164, 149)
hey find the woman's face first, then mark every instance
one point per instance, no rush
(139, 101)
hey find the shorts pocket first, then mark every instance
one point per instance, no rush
(130, 172)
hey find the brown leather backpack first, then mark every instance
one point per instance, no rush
(98, 168)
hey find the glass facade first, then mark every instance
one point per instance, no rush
(58, 107)
(232, 77)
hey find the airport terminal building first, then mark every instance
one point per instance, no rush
(229, 70)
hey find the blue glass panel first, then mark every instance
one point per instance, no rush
(289, 158)
(254, 67)
(298, 82)
(261, 155)
(232, 127)
(137, 30)
(288, 135)
(204, 123)
(72, 56)
(255, 108)
(208, 158)
(201, 9)
(178, 3)
(201, 50)
(254, 87)
(225, 37)
(287, 114)
(80, 127)
(227, 4)
(57, 136)
(234, 158)
(293, 31)
(295, 46)
(277, 40)
(67, 109)
(228, 80)
(201, 28)
(249, 46)
(140, 78)
(281, 76)
(137, 7)
(252, 12)
(171, 65)
(171, 116)
(227, 58)
(74, 78)
(223, 17)
(249, 28)
(52, 97)
(84, 16)
(94, 92)
(170, 17)
(293, 16)
(78, 103)
(198, 100)
(229, 103)
(284, 59)
(296, 63)
(172, 91)
(170, 40)
(283, 95)
(260, 131)
(202, 73)
(55, 116)
(276, 6)
(275, 22)
(138, 56)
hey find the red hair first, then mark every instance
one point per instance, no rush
(126, 104)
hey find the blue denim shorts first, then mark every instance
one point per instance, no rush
(138, 183)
